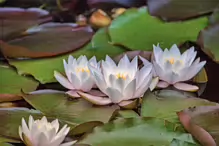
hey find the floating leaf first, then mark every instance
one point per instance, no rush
(167, 107)
(48, 39)
(202, 123)
(43, 69)
(208, 40)
(11, 84)
(136, 131)
(11, 120)
(177, 142)
(137, 30)
(73, 112)
(181, 9)
(127, 114)
(16, 20)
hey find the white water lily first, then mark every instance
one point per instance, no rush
(78, 74)
(43, 133)
(173, 68)
(122, 82)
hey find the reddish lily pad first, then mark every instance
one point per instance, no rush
(137, 30)
(179, 10)
(74, 112)
(16, 20)
(11, 84)
(168, 106)
(208, 40)
(48, 39)
(202, 123)
(43, 69)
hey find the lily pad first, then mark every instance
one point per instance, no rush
(74, 112)
(48, 39)
(208, 40)
(16, 20)
(136, 131)
(179, 10)
(11, 84)
(11, 120)
(167, 107)
(202, 123)
(43, 69)
(137, 30)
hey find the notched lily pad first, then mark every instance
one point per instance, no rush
(48, 39)
(180, 10)
(11, 84)
(208, 40)
(136, 131)
(202, 123)
(135, 27)
(16, 20)
(73, 112)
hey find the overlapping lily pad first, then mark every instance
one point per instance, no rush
(43, 69)
(11, 84)
(16, 20)
(202, 122)
(137, 131)
(167, 107)
(137, 30)
(73, 112)
(48, 39)
(208, 40)
(178, 9)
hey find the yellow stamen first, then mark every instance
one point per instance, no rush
(83, 70)
(121, 76)
(171, 60)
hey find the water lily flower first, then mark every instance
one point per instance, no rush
(43, 133)
(121, 83)
(173, 68)
(78, 76)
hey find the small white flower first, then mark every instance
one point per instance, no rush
(122, 82)
(78, 74)
(172, 67)
(43, 133)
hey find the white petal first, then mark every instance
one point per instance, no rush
(124, 62)
(66, 67)
(30, 122)
(157, 51)
(75, 81)
(100, 82)
(20, 133)
(62, 80)
(130, 90)
(174, 50)
(55, 124)
(87, 84)
(162, 84)
(73, 93)
(186, 87)
(50, 134)
(82, 60)
(154, 83)
(68, 143)
(44, 120)
(110, 61)
(70, 59)
(114, 95)
(95, 99)
(25, 129)
(143, 73)
(43, 140)
(62, 131)
(145, 61)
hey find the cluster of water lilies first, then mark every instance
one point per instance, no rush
(125, 82)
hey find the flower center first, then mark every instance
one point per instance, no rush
(83, 69)
(171, 60)
(121, 76)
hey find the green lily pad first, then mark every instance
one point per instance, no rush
(168, 106)
(177, 142)
(136, 132)
(11, 84)
(74, 112)
(137, 30)
(43, 69)
(127, 114)
(6, 144)
(179, 10)
(208, 40)
(202, 123)
(11, 120)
